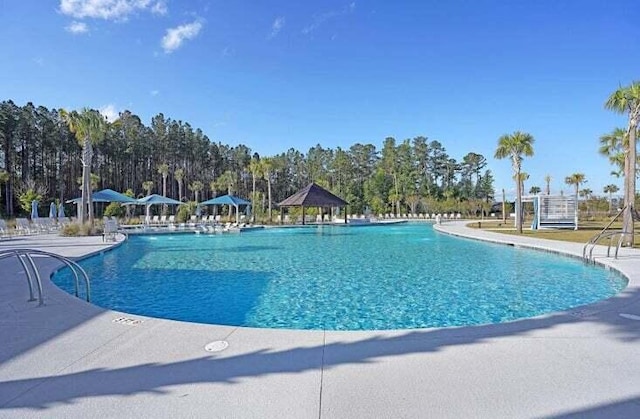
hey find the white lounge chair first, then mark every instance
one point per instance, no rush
(4, 229)
(110, 230)
(23, 227)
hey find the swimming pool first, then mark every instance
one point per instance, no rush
(338, 278)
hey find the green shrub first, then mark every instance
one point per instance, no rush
(185, 211)
(114, 209)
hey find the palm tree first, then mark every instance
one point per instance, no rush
(613, 147)
(89, 127)
(611, 189)
(627, 100)
(163, 169)
(195, 187)
(267, 168)
(576, 180)
(586, 195)
(178, 174)
(254, 168)
(227, 181)
(547, 181)
(147, 186)
(535, 190)
(515, 146)
(213, 186)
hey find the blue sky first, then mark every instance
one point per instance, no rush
(280, 74)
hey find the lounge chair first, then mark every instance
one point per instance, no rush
(110, 230)
(23, 227)
(4, 229)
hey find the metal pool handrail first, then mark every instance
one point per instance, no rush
(26, 254)
(593, 241)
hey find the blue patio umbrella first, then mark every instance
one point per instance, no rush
(34, 209)
(155, 199)
(107, 195)
(52, 210)
(228, 200)
(61, 210)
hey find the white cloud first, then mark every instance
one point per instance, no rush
(110, 112)
(110, 9)
(154, 92)
(175, 37)
(160, 8)
(322, 18)
(277, 26)
(77, 28)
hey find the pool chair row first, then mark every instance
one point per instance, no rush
(160, 220)
(423, 216)
(36, 226)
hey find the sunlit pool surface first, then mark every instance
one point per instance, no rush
(338, 278)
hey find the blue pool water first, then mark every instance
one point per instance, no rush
(338, 278)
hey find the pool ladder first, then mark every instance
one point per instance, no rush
(587, 250)
(25, 257)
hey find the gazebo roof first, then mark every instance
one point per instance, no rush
(313, 196)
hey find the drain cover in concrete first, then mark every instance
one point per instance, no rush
(217, 346)
(127, 321)
(630, 316)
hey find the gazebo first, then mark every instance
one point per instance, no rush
(228, 200)
(313, 196)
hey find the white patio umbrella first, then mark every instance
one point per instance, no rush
(61, 210)
(52, 210)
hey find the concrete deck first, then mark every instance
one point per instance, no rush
(69, 359)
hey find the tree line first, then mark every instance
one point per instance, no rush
(43, 152)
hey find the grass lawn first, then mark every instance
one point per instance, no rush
(586, 230)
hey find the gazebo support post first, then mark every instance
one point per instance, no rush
(281, 215)
(303, 217)
(321, 215)
(345, 215)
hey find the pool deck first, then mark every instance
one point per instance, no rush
(70, 359)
